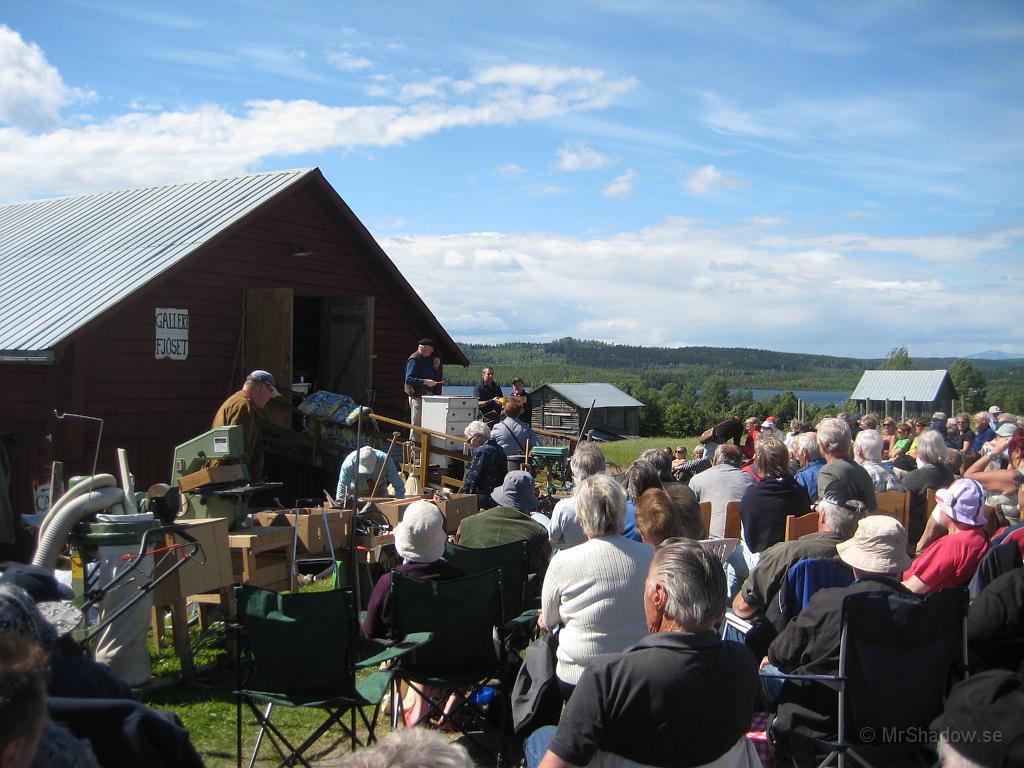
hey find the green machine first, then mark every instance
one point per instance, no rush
(213, 481)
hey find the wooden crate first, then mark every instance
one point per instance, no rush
(196, 576)
(221, 474)
(312, 539)
(456, 508)
(262, 557)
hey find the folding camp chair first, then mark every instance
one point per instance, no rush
(462, 660)
(897, 657)
(300, 652)
(514, 561)
(803, 579)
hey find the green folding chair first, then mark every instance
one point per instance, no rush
(463, 658)
(514, 561)
(298, 650)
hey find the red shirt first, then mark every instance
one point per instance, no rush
(951, 561)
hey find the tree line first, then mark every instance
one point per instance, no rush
(685, 390)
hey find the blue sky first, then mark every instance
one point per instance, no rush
(837, 178)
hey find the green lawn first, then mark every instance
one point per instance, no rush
(623, 452)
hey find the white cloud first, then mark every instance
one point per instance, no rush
(510, 169)
(707, 179)
(346, 62)
(32, 91)
(206, 140)
(621, 186)
(580, 157)
(628, 287)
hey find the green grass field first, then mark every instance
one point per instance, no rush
(623, 452)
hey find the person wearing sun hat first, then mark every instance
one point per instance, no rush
(952, 560)
(419, 541)
(510, 521)
(809, 644)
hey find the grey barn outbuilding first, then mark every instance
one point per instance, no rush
(565, 407)
(906, 394)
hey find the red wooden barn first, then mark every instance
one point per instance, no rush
(147, 307)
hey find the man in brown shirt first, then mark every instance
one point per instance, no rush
(240, 409)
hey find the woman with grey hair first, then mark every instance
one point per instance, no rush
(563, 530)
(593, 592)
(931, 473)
(867, 451)
(488, 467)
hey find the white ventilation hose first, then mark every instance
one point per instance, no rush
(54, 536)
(86, 486)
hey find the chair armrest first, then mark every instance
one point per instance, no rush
(397, 649)
(784, 676)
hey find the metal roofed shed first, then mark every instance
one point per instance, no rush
(564, 408)
(147, 307)
(906, 393)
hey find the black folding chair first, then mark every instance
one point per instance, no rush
(898, 657)
(299, 651)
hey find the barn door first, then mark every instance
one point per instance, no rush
(268, 343)
(346, 346)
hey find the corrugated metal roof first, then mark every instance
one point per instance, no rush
(66, 261)
(606, 395)
(919, 386)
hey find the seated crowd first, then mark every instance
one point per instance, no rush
(632, 582)
(637, 602)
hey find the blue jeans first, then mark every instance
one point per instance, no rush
(537, 744)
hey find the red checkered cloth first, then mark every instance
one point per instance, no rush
(758, 734)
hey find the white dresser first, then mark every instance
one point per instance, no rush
(450, 415)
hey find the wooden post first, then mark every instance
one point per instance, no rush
(424, 458)
(903, 409)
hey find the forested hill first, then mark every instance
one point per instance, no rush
(569, 360)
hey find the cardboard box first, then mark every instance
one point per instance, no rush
(311, 536)
(394, 509)
(203, 573)
(220, 474)
(455, 508)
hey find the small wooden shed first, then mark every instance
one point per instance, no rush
(906, 394)
(147, 307)
(565, 407)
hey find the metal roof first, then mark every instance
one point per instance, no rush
(605, 395)
(918, 386)
(66, 261)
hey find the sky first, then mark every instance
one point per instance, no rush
(833, 178)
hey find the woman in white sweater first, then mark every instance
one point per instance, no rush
(594, 591)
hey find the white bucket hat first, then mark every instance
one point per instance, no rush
(420, 536)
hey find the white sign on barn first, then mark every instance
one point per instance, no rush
(171, 334)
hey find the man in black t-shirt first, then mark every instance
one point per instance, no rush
(488, 395)
(681, 696)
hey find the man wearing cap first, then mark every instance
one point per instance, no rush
(877, 552)
(981, 723)
(510, 521)
(519, 390)
(364, 466)
(240, 409)
(952, 560)
(837, 521)
(420, 371)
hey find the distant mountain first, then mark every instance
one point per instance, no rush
(995, 354)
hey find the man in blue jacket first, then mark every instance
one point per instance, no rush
(420, 370)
